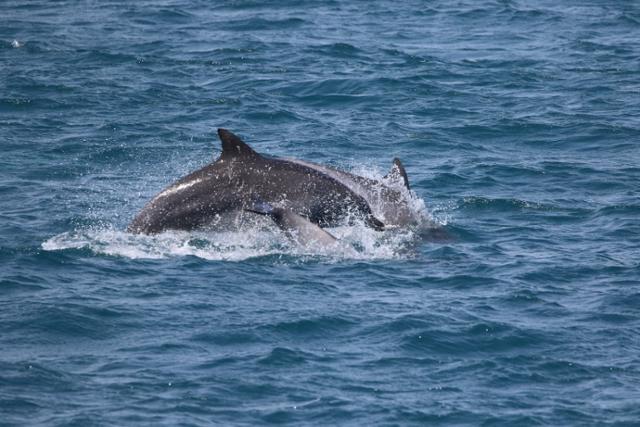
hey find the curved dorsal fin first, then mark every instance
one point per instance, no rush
(233, 146)
(397, 172)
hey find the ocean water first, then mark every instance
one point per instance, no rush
(518, 123)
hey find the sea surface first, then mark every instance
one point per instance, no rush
(516, 303)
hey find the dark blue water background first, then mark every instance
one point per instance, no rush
(518, 123)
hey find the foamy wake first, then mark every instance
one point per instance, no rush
(355, 242)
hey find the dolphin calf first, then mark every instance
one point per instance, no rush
(300, 195)
(297, 228)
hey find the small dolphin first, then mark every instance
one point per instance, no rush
(297, 228)
(303, 194)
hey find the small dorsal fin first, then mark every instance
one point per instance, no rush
(397, 172)
(233, 146)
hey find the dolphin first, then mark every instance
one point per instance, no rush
(304, 195)
(297, 228)
(389, 202)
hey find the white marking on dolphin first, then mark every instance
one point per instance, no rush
(176, 188)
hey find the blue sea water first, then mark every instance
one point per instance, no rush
(518, 122)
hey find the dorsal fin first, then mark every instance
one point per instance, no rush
(397, 172)
(233, 146)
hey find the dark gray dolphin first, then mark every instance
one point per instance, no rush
(228, 186)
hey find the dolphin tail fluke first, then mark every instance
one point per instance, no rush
(398, 173)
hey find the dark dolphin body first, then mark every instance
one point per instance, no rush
(230, 185)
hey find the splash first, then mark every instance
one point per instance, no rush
(229, 246)
(423, 217)
(356, 242)
(258, 239)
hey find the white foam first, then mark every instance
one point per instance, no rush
(355, 242)
(232, 246)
